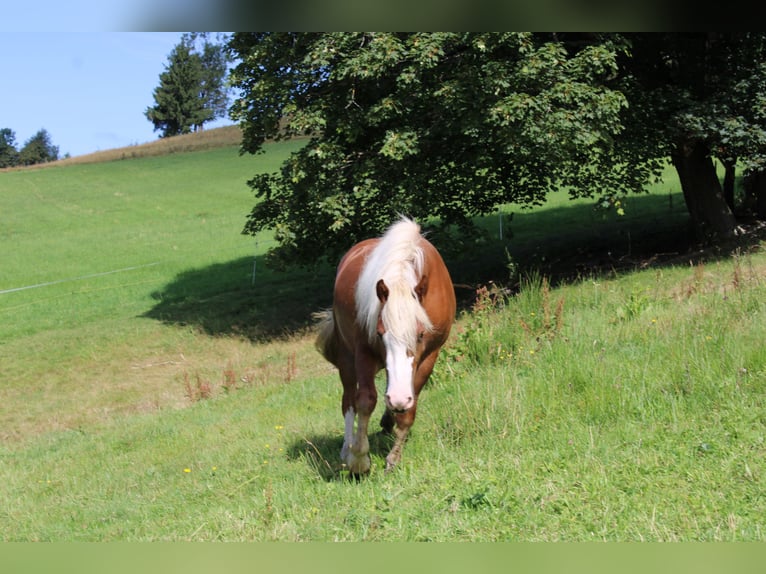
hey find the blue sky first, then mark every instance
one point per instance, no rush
(89, 90)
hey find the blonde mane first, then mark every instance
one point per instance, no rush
(398, 260)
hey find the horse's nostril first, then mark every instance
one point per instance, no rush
(399, 406)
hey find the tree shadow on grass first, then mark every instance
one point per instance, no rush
(229, 299)
(575, 242)
(564, 244)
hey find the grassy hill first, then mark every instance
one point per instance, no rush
(159, 383)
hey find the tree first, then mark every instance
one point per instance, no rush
(38, 149)
(9, 155)
(449, 125)
(215, 64)
(704, 93)
(192, 90)
(452, 125)
(178, 106)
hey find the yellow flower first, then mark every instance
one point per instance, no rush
(278, 427)
(187, 470)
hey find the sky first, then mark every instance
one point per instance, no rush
(89, 90)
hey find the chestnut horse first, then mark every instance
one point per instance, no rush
(393, 307)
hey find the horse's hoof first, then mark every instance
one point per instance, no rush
(358, 466)
(391, 463)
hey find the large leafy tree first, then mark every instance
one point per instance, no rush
(9, 155)
(452, 125)
(192, 90)
(430, 124)
(38, 149)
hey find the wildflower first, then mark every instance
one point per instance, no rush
(187, 470)
(278, 427)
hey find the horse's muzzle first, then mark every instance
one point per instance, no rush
(399, 405)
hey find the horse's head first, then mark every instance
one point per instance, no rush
(403, 328)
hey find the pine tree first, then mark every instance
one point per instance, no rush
(192, 90)
(178, 106)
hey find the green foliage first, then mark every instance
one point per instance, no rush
(436, 125)
(38, 149)
(191, 91)
(9, 156)
(449, 126)
(695, 97)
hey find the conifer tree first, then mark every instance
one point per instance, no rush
(178, 107)
(192, 91)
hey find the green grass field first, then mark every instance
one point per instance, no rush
(151, 390)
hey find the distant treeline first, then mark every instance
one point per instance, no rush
(37, 149)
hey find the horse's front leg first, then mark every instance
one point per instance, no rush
(401, 423)
(356, 444)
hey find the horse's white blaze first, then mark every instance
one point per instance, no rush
(399, 367)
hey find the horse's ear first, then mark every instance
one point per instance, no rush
(382, 291)
(422, 288)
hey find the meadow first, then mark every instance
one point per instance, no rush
(160, 383)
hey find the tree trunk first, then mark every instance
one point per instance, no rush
(756, 193)
(711, 215)
(728, 182)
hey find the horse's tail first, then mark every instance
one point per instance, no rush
(327, 338)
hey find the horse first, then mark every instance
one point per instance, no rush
(393, 307)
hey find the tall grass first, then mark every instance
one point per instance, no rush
(598, 426)
(162, 402)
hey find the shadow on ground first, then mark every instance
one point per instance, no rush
(563, 244)
(322, 453)
(224, 299)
